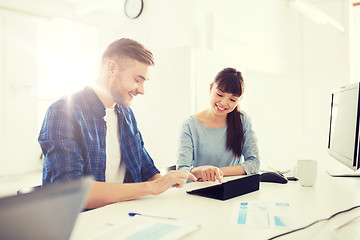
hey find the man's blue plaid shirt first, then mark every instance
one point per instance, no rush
(73, 137)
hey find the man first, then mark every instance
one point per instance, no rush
(94, 132)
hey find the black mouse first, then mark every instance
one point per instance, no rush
(273, 177)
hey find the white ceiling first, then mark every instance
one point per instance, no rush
(88, 11)
(77, 7)
(99, 12)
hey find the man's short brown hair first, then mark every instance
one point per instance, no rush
(129, 48)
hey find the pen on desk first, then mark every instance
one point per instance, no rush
(276, 170)
(273, 169)
(131, 214)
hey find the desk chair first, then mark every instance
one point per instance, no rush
(167, 169)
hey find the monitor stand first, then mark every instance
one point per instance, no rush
(343, 172)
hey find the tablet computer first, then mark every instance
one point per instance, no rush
(230, 189)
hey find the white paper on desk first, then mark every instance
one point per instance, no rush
(138, 227)
(262, 214)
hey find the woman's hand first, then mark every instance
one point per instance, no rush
(207, 173)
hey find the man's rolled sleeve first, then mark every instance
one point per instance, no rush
(148, 167)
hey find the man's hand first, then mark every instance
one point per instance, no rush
(177, 178)
(208, 173)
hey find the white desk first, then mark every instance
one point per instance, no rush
(329, 195)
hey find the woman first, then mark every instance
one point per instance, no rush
(212, 142)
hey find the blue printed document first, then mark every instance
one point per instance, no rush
(139, 228)
(262, 214)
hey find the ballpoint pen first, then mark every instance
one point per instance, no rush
(131, 214)
(276, 170)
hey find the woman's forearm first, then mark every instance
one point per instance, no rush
(233, 170)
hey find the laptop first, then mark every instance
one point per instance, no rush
(230, 189)
(47, 213)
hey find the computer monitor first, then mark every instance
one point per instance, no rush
(343, 144)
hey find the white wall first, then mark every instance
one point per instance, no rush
(18, 131)
(166, 103)
(291, 107)
(354, 39)
(325, 61)
(265, 45)
(2, 76)
(290, 65)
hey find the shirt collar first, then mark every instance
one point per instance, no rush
(120, 109)
(96, 105)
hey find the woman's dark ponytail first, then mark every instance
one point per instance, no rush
(230, 80)
(235, 133)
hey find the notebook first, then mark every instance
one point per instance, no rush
(230, 189)
(47, 213)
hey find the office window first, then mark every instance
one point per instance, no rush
(67, 60)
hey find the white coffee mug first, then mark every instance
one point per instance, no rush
(306, 171)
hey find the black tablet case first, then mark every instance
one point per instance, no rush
(231, 188)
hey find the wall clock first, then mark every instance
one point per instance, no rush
(133, 8)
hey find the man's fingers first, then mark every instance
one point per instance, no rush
(180, 183)
(192, 177)
(182, 176)
(219, 175)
